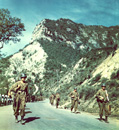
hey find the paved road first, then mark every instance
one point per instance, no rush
(43, 116)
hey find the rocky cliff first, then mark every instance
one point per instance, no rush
(63, 54)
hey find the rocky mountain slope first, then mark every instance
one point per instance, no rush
(63, 54)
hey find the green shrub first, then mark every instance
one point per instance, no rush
(112, 83)
(97, 77)
(103, 80)
(113, 75)
(87, 92)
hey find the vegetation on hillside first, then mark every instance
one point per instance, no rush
(4, 84)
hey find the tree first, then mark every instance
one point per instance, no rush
(10, 28)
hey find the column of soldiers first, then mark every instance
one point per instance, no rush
(102, 99)
(19, 92)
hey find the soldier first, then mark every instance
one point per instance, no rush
(52, 99)
(3, 99)
(102, 99)
(74, 100)
(21, 91)
(57, 99)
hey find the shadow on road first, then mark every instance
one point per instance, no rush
(29, 119)
(26, 112)
(100, 119)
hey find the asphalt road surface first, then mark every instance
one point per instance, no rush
(42, 116)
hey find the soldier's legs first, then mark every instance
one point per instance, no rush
(100, 109)
(72, 104)
(22, 109)
(16, 108)
(76, 106)
(106, 112)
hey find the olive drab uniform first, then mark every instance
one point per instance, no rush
(52, 99)
(20, 90)
(74, 100)
(102, 103)
(57, 99)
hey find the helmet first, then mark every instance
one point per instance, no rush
(75, 88)
(23, 75)
(103, 85)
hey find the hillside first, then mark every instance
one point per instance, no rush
(63, 54)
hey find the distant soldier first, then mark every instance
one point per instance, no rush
(102, 99)
(57, 99)
(21, 91)
(74, 100)
(3, 99)
(52, 99)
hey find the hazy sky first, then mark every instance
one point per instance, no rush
(31, 12)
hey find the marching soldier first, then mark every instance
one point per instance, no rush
(20, 89)
(52, 99)
(102, 99)
(74, 100)
(57, 99)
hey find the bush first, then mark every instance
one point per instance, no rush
(87, 92)
(103, 80)
(113, 75)
(97, 77)
(112, 83)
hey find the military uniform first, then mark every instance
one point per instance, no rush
(52, 99)
(57, 99)
(20, 90)
(74, 100)
(102, 100)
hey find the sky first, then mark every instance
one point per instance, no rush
(32, 12)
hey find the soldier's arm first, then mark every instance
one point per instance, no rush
(13, 88)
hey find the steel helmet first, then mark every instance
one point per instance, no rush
(75, 88)
(23, 75)
(103, 85)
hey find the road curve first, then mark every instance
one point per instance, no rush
(42, 116)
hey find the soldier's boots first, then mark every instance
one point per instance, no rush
(101, 118)
(16, 119)
(71, 109)
(106, 119)
(22, 122)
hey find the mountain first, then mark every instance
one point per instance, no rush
(63, 54)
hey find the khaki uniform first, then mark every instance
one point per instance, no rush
(102, 103)
(20, 90)
(52, 99)
(57, 99)
(74, 100)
